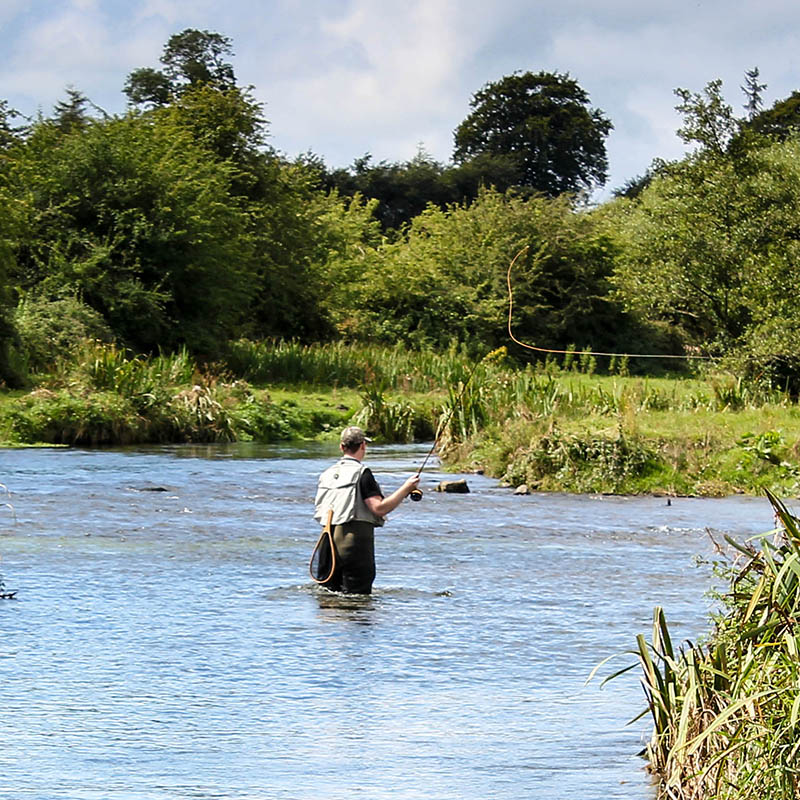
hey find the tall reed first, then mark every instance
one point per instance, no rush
(726, 713)
(341, 364)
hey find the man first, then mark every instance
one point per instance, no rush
(351, 491)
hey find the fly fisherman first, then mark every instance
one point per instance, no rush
(351, 491)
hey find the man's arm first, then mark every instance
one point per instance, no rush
(383, 505)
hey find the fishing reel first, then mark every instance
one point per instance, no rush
(415, 495)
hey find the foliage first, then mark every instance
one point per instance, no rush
(447, 279)
(191, 58)
(12, 214)
(587, 463)
(9, 133)
(389, 420)
(308, 245)
(71, 113)
(708, 120)
(769, 353)
(114, 397)
(53, 331)
(402, 191)
(132, 216)
(340, 364)
(543, 123)
(780, 122)
(725, 712)
(710, 247)
(228, 123)
(752, 91)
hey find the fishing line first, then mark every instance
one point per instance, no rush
(416, 494)
(575, 352)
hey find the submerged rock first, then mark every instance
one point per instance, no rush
(522, 489)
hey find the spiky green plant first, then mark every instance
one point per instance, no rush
(726, 713)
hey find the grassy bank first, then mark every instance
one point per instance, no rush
(725, 712)
(105, 396)
(553, 427)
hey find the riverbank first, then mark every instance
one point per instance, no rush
(546, 427)
(725, 712)
(701, 452)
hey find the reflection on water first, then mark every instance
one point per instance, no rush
(334, 607)
(169, 644)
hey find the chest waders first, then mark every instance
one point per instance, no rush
(344, 556)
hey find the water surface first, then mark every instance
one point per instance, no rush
(166, 641)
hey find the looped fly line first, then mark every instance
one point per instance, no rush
(575, 352)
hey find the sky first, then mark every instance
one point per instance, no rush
(342, 78)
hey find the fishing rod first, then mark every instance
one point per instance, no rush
(416, 494)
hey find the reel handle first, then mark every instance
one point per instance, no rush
(415, 495)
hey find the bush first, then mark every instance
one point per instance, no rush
(50, 331)
(583, 463)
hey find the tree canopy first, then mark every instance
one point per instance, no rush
(190, 58)
(542, 124)
(176, 224)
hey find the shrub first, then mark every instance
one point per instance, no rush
(55, 330)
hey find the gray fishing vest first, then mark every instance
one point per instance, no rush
(338, 490)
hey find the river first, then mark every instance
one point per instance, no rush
(166, 641)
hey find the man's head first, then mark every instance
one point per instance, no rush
(352, 439)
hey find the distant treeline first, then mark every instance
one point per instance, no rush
(176, 225)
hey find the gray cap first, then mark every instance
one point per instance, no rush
(352, 438)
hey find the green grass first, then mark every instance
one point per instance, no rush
(553, 429)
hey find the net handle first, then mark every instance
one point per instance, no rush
(326, 531)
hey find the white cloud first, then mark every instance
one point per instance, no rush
(10, 9)
(343, 77)
(394, 71)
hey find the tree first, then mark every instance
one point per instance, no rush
(71, 113)
(779, 122)
(710, 245)
(633, 187)
(10, 213)
(9, 134)
(542, 122)
(148, 86)
(707, 119)
(404, 190)
(752, 91)
(446, 279)
(194, 57)
(136, 219)
(190, 58)
(228, 122)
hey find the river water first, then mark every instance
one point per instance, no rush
(166, 641)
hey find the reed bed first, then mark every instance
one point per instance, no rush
(726, 712)
(341, 364)
(551, 426)
(109, 368)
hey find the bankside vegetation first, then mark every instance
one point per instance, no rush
(171, 249)
(725, 711)
(553, 426)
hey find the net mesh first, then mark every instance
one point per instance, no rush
(323, 557)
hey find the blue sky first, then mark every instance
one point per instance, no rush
(346, 77)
